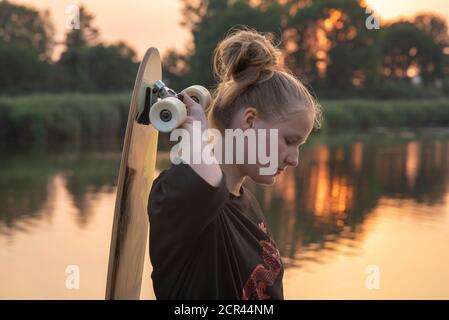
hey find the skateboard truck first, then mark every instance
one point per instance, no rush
(162, 90)
(170, 112)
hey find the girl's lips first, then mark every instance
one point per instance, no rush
(280, 171)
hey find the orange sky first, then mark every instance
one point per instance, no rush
(145, 23)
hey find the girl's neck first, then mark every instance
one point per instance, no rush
(234, 178)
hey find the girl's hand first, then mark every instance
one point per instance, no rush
(195, 112)
(211, 173)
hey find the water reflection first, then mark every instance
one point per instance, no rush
(352, 201)
(328, 198)
(27, 189)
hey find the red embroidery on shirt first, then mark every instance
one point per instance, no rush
(261, 277)
(263, 227)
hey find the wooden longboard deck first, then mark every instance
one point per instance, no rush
(137, 167)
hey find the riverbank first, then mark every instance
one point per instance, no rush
(44, 118)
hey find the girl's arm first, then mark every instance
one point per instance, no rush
(211, 173)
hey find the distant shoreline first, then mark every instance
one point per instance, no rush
(72, 117)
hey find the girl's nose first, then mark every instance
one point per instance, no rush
(292, 158)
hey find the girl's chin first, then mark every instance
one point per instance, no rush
(269, 179)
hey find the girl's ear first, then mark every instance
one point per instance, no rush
(248, 118)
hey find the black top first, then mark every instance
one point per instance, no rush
(206, 243)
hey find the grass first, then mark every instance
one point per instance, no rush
(364, 114)
(62, 117)
(43, 118)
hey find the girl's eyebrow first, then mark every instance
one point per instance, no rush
(300, 138)
(297, 138)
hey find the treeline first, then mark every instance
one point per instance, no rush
(331, 44)
(86, 65)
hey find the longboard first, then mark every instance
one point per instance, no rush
(136, 173)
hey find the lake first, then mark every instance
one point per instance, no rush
(363, 216)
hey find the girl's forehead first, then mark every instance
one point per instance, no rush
(297, 127)
(300, 121)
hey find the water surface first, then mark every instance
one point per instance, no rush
(355, 200)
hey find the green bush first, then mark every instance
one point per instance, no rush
(401, 90)
(389, 113)
(62, 117)
(77, 117)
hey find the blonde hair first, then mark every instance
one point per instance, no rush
(246, 66)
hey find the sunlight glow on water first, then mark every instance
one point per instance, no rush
(349, 204)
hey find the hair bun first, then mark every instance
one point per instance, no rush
(246, 56)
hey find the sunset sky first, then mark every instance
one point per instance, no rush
(146, 23)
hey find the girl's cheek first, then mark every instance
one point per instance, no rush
(282, 150)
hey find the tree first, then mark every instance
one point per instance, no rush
(209, 22)
(89, 66)
(86, 35)
(109, 68)
(21, 69)
(26, 27)
(328, 43)
(408, 51)
(434, 26)
(101, 68)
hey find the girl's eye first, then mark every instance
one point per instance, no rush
(289, 141)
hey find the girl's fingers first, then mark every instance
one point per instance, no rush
(188, 121)
(187, 100)
(180, 96)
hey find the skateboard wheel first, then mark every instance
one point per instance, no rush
(168, 114)
(200, 94)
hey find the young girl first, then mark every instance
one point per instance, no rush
(209, 238)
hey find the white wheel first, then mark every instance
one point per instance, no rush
(200, 94)
(168, 114)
